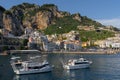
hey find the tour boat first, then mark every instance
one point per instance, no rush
(28, 67)
(14, 57)
(77, 63)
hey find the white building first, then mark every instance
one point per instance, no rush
(110, 44)
(115, 45)
(72, 46)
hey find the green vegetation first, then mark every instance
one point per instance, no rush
(33, 12)
(47, 5)
(27, 5)
(67, 23)
(63, 25)
(22, 17)
(5, 48)
(73, 15)
(8, 12)
(22, 48)
(89, 22)
(2, 9)
(64, 13)
(23, 6)
(94, 35)
(42, 8)
(31, 9)
(24, 42)
(116, 29)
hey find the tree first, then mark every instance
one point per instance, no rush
(5, 48)
(24, 42)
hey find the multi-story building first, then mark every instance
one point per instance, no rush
(113, 42)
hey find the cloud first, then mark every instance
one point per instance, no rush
(114, 22)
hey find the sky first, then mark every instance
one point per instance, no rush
(106, 12)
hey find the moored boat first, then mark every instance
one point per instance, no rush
(77, 63)
(28, 67)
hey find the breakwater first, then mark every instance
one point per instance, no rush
(107, 51)
(97, 51)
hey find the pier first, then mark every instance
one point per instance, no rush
(97, 51)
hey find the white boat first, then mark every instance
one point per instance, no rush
(14, 57)
(28, 67)
(35, 57)
(77, 63)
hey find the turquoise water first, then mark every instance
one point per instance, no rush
(104, 67)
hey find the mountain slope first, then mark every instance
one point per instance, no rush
(46, 17)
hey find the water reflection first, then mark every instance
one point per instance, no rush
(104, 67)
(77, 74)
(43, 76)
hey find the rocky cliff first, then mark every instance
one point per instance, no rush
(1, 16)
(12, 24)
(17, 18)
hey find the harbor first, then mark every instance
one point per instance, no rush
(87, 51)
(109, 51)
(59, 40)
(102, 65)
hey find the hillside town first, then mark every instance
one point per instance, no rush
(48, 29)
(55, 42)
(59, 40)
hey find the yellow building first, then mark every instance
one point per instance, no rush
(84, 44)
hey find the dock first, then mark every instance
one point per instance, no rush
(24, 51)
(107, 51)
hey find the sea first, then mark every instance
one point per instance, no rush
(104, 67)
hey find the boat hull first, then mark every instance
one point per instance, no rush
(33, 71)
(76, 66)
(30, 71)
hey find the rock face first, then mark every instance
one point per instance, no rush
(77, 17)
(1, 22)
(33, 16)
(12, 24)
(43, 19)
(1, 16)
(44, 16)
